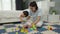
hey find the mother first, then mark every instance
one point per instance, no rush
(35, 13)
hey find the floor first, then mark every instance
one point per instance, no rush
(10, 29)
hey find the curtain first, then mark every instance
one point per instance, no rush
(7, 4)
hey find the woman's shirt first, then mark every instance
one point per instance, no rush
(35, 15)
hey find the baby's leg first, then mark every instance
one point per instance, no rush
(39, 24)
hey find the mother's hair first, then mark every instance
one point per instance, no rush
(33, 4)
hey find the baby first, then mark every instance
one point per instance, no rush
(23, 18)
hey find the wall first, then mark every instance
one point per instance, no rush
(57, 6)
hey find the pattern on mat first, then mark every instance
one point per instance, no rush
(7, 29)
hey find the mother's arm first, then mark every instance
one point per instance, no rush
(37, 20)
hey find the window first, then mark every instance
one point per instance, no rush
(0, 4)
(7, 4)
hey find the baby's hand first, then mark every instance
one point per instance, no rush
(30, 25)
(33, 24)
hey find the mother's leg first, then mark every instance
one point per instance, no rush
(39, 24)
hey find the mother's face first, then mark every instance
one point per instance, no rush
(33, 9)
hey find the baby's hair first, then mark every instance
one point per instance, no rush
(26, 13)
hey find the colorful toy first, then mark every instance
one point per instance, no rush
(31, 28)
(28, 29)
(22, 30)
(49, 27)
(34, 26)
(16, 32)
(17, 28)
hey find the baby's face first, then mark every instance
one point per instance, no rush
(22, 15)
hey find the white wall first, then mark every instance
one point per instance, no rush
(57, 6)
(44, 5)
